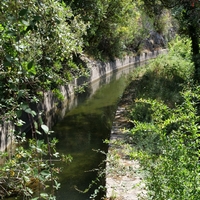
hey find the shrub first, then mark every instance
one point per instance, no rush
(168, 148)
(165, 136)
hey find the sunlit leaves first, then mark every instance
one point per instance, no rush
(35, 37)
(112, 25)
(45, 128)
(165, 136)
(37, 42)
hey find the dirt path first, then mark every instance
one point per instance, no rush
(123, 180)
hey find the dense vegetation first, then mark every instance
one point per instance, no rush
(165, 133)
(165, 113)
(42, 44)
(187, 13)
(38, 40)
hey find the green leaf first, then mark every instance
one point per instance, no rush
(1, 27)
(32, 112)
(37, 18)
(28, 110)
(6, 63)
(19, 123)
(36, 125)
(19, 113)
(44, 195)
(26, 23)
(9, 58)
(23, 12)
(45, 173)
(20, 93)
(45, 128)
(11, 33)
(57, 185)
(30, 65)
(26, 178)
(31, 68)
(24, 106)
(38, 132)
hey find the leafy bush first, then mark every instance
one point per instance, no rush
(168, 148)
(166, 75)
(30, 171)
(37, 42)
(37, 47)
(177, 63)
(163, 22)
(165, 136)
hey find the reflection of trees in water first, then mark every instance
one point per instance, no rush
(83, 129)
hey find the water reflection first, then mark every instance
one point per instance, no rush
(82, 131)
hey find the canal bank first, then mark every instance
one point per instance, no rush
(123, 177)
(97, 69)
(82, 131)
(81, 134)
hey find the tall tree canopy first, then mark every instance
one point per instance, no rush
(187, 12)
(113, 24)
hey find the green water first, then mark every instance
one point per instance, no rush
(81, 132)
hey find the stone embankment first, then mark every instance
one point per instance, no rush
(123, 176)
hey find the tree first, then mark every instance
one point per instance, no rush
(112, 24)
(36, 49)
(37, 42)
(187, 13)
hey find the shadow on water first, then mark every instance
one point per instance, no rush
(82, 131)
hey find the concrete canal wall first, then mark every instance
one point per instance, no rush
(51, 106)
(97, 70)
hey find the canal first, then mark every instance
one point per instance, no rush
(81, 133)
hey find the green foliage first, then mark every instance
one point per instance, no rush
(113, 25)
(38, 41)
(31, 170)
(37, 45)
(164, 22)
(168, 146)
(165, 116)
(181, 47)
(187, 15)
(161, 17)
(177, 63)
(163, 77)
(119, 27)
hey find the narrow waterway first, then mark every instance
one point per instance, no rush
(82, 132)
